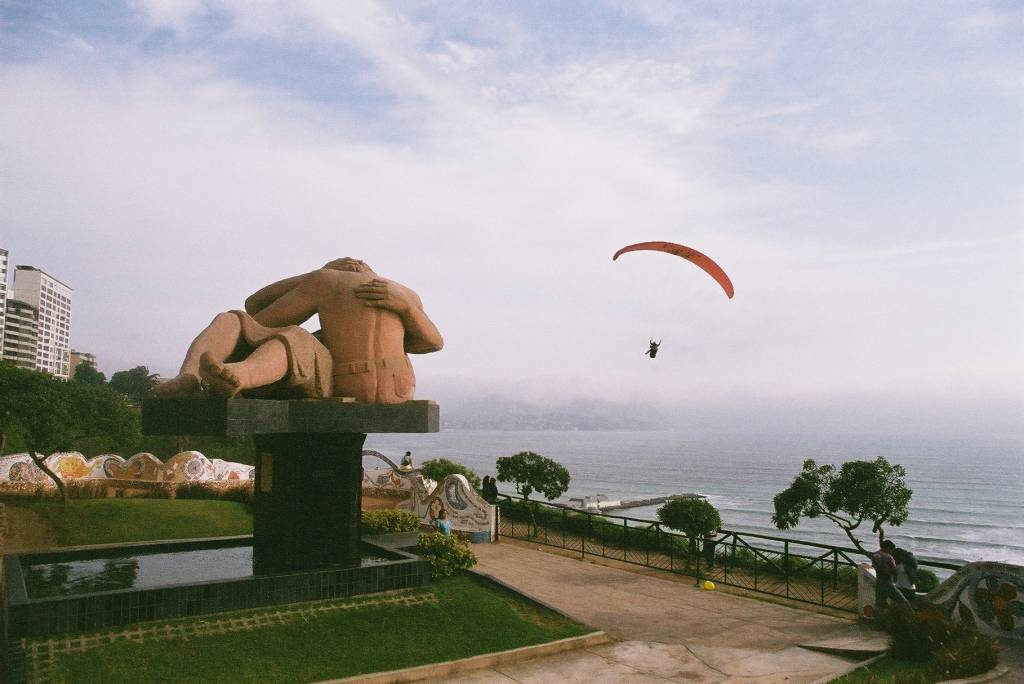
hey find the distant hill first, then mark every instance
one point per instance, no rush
(502, 413)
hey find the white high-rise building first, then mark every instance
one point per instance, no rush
(52, 299)
(3, 297)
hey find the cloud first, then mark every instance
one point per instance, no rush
(174, 14)
(987, 21)
(497, 183)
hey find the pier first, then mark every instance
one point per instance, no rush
(600, 502)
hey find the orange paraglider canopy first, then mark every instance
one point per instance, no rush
(688, 253)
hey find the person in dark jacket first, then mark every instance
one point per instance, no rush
(885, 579)
(490, 490)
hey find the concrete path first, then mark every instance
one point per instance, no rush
(666, 630)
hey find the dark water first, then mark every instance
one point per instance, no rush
(143, 571)
(968, 501)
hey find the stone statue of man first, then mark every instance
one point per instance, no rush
(368, 323)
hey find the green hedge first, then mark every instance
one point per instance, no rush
(388, 520)
(447, 553)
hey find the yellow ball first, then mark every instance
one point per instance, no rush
(709, 585)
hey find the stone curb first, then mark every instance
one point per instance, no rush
(520, 592)
(847, 670)
(995, 673)
(440, 670)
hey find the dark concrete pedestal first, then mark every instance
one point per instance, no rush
(307, 501)
(309, 472)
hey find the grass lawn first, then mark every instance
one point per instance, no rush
(110, 521)
(471, 616)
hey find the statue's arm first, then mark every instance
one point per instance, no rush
(261, 299)
(421, 335)
(292, 301)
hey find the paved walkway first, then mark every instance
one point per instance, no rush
(665, 630)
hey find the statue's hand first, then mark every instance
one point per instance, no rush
(378, 295)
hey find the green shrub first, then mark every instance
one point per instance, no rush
(926, 580)
(951, 649)
(439, 468)
(916, 634)
(388, 520)
(447, 554)
(970, 653)
(232, 490)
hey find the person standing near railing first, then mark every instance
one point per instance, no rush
(906, 572)
(885, 579)
(710, 539)
(490, 490)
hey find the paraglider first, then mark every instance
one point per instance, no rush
(702, 260)
(653, 350)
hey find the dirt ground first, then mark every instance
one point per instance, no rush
(26, 531)
(373, 503)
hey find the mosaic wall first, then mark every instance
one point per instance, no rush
(187, 466)
(466, 509)
(991, 595)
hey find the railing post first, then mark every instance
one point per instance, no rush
(785, 565)
(725, 561)
(565, 518)
(672, 554)
(755, 572)
(699, 553)
(647, 546)
(822, 581)
(625, 536)
(583, 537)
(835, 570)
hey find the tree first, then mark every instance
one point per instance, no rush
(105, 422)
(39, 412)
(42, 415)
(532, 472)
(87, 374)
(874, 491)
(135, 383)
(440, 468)
(694, 517)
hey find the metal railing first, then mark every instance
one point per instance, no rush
(803, 571)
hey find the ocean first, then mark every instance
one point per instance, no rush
(968, 501)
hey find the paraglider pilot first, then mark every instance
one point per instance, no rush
(653, 351)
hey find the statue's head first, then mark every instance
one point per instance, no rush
(348, 264)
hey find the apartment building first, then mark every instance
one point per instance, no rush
(3, 296)
(79, 357)
(21, 338)
(52, 300)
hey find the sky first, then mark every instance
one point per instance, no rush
(856, 167)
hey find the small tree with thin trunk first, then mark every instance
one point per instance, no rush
(694, 517)
(860, 491)
(532, 472)
(42, 413)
